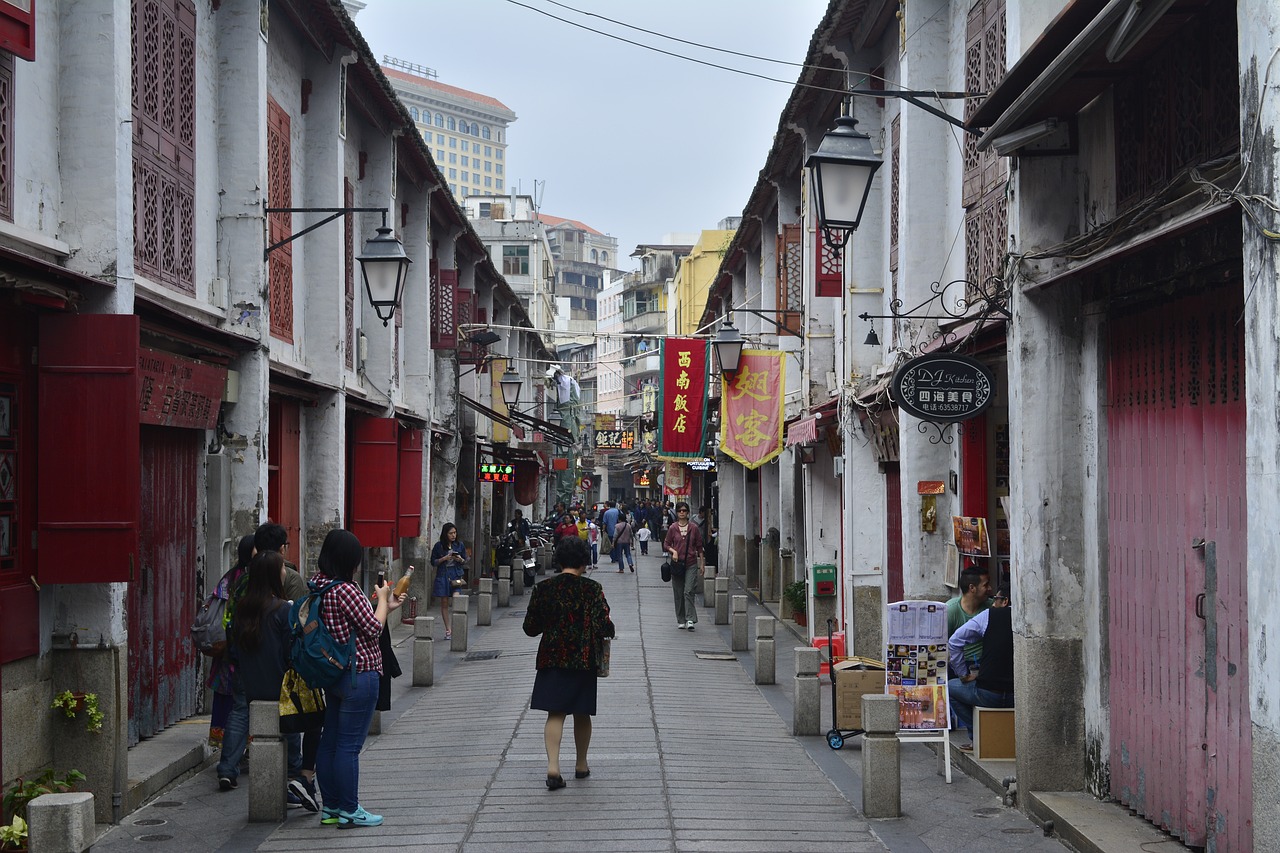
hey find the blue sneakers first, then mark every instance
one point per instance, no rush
(359, 817)
(328, 816)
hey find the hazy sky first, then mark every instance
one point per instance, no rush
(633, 143)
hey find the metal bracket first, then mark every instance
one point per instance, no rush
(334, 212)
(913, 97)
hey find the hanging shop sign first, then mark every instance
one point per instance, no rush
(615, 439)
(497, 473)
(943, 387)
(751, 408)
(706, 463)
(682, 414)
(178, 392)
(604, 422)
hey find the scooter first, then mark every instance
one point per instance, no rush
(530, 561)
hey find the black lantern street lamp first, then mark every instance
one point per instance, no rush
(511, 382)
(728, 344)
(843, 168)
(384, 267)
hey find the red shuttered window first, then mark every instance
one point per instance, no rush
(280, 225)
(6, 136)
(349, 273)
(18, 28)
(410, 492)
(444, 313)
(164, 141)
(374, 472)
(829, 270)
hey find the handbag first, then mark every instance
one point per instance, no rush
(301, 707)
(602, 669)
(208, 631)
(666, 572)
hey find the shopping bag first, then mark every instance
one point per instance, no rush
(301, 707)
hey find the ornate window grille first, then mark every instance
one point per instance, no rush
(280, 225)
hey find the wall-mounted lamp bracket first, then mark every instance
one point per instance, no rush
(334, 213)
(913, 97)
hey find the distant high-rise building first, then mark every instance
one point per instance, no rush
(584, 260)
(466, 131)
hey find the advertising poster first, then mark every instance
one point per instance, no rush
(971, 535)
(916, 664)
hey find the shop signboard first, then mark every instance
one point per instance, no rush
(916, 664)
(943, 387)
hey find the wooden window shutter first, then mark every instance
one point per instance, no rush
(280, 225)
(88, 462)
(790, 297)
(374, 469)
(829, 268)
(444, 322)
(6, 136)
(349, 273)
(18, 28)
(409, 517)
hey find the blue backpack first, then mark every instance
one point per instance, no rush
(316, 655)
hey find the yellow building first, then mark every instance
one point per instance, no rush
(693, 279)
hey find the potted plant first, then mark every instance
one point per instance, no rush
(13, 835)
(797, 598)
(71, 704)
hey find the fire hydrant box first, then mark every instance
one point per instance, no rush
(855, 678)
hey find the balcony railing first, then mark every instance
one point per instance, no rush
(650, 322)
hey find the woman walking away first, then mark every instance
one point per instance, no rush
(349, 703)
(229, 720)
(571, 614)
(683, 545)
(622, 533)
(449, 557)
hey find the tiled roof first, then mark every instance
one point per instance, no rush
(426, 83)
(553, 221)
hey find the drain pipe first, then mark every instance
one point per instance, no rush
(120, 775)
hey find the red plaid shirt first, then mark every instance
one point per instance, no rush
(345, 609)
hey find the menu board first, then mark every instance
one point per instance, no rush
(916, 664)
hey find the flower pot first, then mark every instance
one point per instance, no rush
(800, 618)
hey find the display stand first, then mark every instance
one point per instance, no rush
(916, 672)
(934, 736)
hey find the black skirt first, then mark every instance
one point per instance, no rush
(564, 691)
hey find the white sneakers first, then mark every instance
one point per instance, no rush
(681, 625)
(685, 625)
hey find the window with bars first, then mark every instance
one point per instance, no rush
(164, 117)
(829, 270)
(983, 195)
(280, 225)
(790, 296)
(444, 300)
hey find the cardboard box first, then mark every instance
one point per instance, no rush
(855, 678)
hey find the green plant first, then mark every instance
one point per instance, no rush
(71, 704)
(796, 596)
(13, 836)
(25, 790)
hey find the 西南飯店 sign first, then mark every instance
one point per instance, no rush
(943, 387)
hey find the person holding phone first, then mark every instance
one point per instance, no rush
(449, 557)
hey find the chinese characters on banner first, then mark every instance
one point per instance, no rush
(677, 482)
(751, 408)
(682, 414)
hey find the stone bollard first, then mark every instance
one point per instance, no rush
(881, 759)
(722, 601)
(267, 772)
(424, 651)
(504, 586)
(709, 587)
(484, 611)
(766, 659)
(806, 718)
(738, 624)
(458, 618)
(544, 559)
(61, 823)
(517, 579)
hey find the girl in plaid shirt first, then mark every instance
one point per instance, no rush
(349, 703)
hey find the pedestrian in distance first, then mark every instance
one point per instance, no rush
(683, 545)
(593, 539)
(571, 614)
(622, 545)
(351, 700)
(449, 558)
(229, 717)
(643, 535)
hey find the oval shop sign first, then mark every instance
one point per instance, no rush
(943, 387)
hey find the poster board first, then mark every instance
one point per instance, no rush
(970, 535)
(916, 664)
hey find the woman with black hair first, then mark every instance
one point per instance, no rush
(229, 716)
(350, 702)
(449, 557)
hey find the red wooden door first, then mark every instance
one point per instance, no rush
(163, 671)
(893, 532)
(1180, 726)
(284, 501)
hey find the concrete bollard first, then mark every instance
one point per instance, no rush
(517, 579)
(709, 587)
(424, 651)
(267, 772)
(458, 618)
(722, 601)
(544, 559)
(504, 586)
(61, 823)
(766, 657)
(738, 624)
(806, 718)
(484, 611)
(881, 757)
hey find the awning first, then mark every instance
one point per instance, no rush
(494, 416)
(949, 339)
(1067, 67)
(803, 431)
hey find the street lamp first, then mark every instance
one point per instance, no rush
(728, 344)
(384, 267)
(843, 168)
(511, 382)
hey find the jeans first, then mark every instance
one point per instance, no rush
(235, 737)
(686, 608)
(966, 696)
(349, 706)
(595, 553)
(644, 547)
(622, 555)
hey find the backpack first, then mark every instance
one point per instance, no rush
(315, 654)
(208, 629)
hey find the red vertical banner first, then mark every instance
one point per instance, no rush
(751, 408)
(682, 412)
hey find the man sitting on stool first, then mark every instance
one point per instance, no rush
(990, 685)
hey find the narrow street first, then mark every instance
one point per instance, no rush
(688, 754)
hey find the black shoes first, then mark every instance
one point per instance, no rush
(555, 783)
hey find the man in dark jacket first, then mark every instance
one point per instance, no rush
(990, 684)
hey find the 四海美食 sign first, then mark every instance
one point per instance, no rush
(943, 387)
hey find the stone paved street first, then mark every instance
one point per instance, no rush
(687, 755)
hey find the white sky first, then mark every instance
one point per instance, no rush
(631, 142)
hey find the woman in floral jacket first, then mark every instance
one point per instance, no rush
(571, 614)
